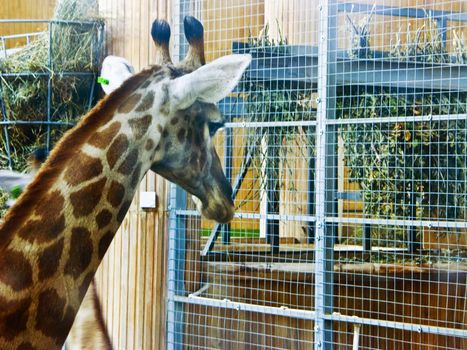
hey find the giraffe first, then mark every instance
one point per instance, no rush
(89, 331)
(56, 234)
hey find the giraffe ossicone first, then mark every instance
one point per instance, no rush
(54, 237)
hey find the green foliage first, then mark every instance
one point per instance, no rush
(392, 161)
(274, 101)
(408, 169)
(3, 199)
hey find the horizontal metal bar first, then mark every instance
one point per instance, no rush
(369, 72)
(271, 124)
(281, 217)
(407, 119)
(411, 327)
(306, 50)
(234, 305)
(34, 122)
(395, 222)
(200, 291)
(24, 35)
(311, 315)
(46, 74)
(306, 218)
(350, 196)
(402, 11)
(53, 21)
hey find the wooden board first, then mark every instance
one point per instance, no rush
(24, 9)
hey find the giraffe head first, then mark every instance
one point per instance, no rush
(185, 154)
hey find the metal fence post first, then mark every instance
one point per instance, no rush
(325, 184)
(177, 224)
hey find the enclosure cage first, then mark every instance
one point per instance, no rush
(346, 148)
(47, 82)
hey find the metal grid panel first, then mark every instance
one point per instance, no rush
(45, 75)
(346, 148)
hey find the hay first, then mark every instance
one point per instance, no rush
(3, 199)
(74, 48)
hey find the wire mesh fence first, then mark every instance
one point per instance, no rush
(346, 149)
(47, 82)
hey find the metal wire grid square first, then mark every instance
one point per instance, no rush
(43, 124)
(346, 147)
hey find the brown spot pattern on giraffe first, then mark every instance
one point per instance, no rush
(174, 121)
(168, 146)
(123, 210)
(104, 138)
(26, 346)
(189, 138)
(139, 126)
(14, 321)
(86, 199)
(52, 319)
(83, 288)
(129, 103)
(117, 148)
(80, 252)
(15, 270)
(103, 218)
(50, 259)
(149, 145)
(198, 140)
(100, 115)
(48, 226)
(146, 103)
(83, 168)
(116, 194)
(136, 175)
(129, 163)
(181, 135)
(104, 243)
(43, 230)
(55, 202)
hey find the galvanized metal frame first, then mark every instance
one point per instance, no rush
(177, 223)
(325, 179)
(196, 299)
(328, 66)
(5, 122)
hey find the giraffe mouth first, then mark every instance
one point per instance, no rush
(222, 212)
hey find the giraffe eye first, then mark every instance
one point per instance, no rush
(213, 127)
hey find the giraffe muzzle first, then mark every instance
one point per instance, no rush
(220, 211)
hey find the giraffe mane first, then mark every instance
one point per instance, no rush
(100, 317)
(64, 151)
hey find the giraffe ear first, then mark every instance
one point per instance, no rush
(209, 83)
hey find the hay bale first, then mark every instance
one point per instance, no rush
(74, 48)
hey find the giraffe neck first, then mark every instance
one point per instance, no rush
(54, 238)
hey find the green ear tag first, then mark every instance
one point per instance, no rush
(102, 81)
(16, 191)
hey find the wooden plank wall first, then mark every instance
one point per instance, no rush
(24, 9)
(131, 279)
